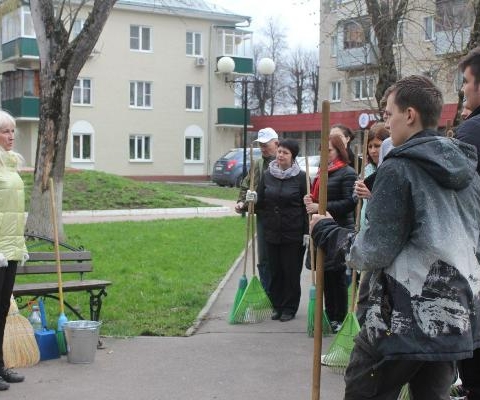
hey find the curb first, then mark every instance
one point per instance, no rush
(213, 297)
(145, 211)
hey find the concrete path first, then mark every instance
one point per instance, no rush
(265, 361)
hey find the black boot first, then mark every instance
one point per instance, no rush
(10, 376)
(3, 385)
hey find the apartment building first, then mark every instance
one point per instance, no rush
(148, 102)
(428, 41)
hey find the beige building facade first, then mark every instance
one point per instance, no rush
(149, 102)
(429, 40)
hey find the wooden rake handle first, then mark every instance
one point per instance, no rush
(322, 208)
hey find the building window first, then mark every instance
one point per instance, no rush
(335, 88)
(235, 43)
(194, 98)
(141, 94)
(140, 148)
(458, 82)
(429, 28)
(20, 83)
(452, 15)
(82, 142)
(333, 46)
(82, 92)
(140, 38)
(353, 35)
(363, 89)
(398, 39)
(194, 44)
(193, 149)
(77, 27)
(82, 147)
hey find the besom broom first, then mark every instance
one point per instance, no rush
(20, 348)
(254, 306)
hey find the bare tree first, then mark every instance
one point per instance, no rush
(385, 16)
(61, 60)
(268, 91)
(297, 73)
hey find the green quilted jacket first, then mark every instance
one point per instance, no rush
(12, 208)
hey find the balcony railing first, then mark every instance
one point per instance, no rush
(231, 116)
(356, 58)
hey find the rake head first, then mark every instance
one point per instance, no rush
(254, 306)
(242, 285)
(338, 355)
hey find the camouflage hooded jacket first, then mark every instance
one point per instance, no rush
(420, 240)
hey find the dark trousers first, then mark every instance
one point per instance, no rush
(336, 296)
(286, 261)
(370, 376)
(469, 371)
(7, 280)
(262, 266)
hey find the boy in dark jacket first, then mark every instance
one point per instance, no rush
(419, 241)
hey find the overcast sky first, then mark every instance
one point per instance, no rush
(300, 18)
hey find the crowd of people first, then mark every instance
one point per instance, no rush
(417, 246)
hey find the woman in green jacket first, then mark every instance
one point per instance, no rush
(12, 242)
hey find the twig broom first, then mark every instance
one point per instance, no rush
(254, 306)
(20, 348)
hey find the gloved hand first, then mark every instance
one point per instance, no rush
(306, 240)
(251, 196)
(3, 260)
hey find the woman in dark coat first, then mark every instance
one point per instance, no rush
(280, 202)
(340, 204)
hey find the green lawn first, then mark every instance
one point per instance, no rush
(93, 190)
(163, 271)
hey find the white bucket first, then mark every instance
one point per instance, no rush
(82, 339)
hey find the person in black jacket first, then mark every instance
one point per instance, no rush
(280, 202)
(341, 205)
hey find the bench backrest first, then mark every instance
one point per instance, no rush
(45, 262)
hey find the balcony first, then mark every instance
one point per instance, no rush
(451, 41)
(243, 65)
(356, 58)
(21, 51)
(23, 107)
(231, 117)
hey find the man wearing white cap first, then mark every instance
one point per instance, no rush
(268, 142)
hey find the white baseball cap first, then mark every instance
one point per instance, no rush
(265, 135)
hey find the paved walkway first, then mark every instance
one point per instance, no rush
(265, 361)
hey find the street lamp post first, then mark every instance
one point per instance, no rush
(226, 65)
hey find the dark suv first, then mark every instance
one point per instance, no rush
(228, 169)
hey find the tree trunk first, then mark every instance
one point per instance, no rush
(61, 61)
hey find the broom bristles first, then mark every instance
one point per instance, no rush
(338, 355)
(242, 285)
(254, 306)
(20, 348)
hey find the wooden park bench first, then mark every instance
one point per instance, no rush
(73, 261)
